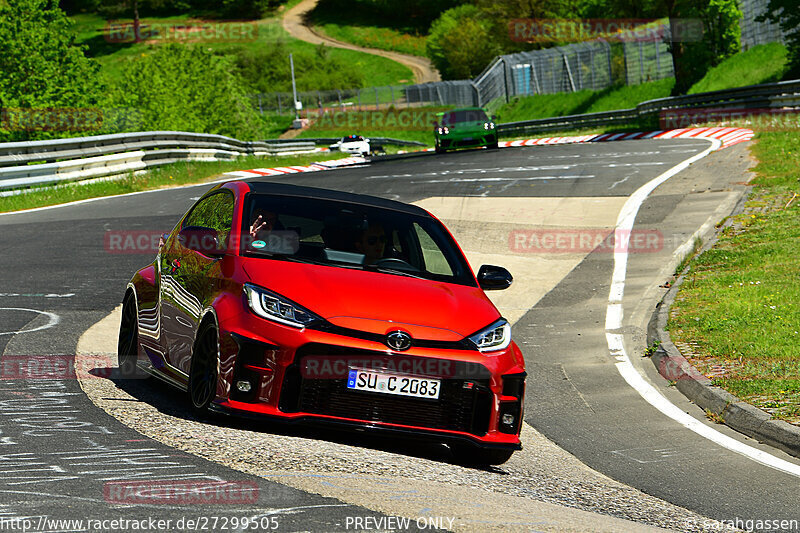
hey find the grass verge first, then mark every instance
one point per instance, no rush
(764, 63)
(183, 173)
(561, 104)
(737, 314)
(362, 25)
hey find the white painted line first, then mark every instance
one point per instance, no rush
(534, 178)
(616, 345)
(36, 295)
(53, 319)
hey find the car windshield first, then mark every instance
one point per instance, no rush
(464, 115)
(349, 235)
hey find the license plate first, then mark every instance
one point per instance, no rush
(393, 384)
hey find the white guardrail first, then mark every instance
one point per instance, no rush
(24, 164)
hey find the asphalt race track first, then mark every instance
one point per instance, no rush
(60, 454)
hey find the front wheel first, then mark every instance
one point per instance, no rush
(128, 341)
(203, 371)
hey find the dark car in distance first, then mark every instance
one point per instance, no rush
(468, 127)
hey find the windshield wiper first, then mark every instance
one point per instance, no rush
(387, 270)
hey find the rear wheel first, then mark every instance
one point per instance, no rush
(128, 342)
(465, 454)
(203, 371)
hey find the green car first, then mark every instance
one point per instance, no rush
(464, 128)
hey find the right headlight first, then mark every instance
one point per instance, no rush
(277, 308)
(495, 337)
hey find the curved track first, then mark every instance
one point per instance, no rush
(60, 451)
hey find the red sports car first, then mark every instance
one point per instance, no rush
(321, 306)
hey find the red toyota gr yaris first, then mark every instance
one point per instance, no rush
(315, 305)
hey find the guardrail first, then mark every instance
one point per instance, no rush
(769, 95)
(24, 164)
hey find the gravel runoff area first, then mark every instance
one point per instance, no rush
(527, 493)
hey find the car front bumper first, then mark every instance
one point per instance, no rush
(300, 376)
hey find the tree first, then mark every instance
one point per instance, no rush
(693, 55)
(787, 16)
(41, 65)
(460, 43)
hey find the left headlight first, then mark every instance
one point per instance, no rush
(275, 307)
(495, 337)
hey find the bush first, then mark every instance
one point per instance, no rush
(41, 67)
(460, 43)
(235, 9)
(188, 89)
(267, 69)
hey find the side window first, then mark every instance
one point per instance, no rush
(215, 212)
(435, 261)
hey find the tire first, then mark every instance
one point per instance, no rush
(439, 149)
(203, 371)
(475, 456)
(494, 145)
(128, 341)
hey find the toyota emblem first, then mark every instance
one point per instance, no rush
(398, 340)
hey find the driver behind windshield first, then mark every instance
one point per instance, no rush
(372, 243)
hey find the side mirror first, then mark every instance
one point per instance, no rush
(494, 118)
(201, 240)
(494, 278)
(435, 124)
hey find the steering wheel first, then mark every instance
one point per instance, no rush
(395, 263)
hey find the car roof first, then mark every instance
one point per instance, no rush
(299, 191)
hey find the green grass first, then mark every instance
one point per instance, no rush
(561, 104)
(761, 64)
(352, 22)
(739, 305)
(113, 57)
(157, 178)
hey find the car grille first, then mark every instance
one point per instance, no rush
(458, 408)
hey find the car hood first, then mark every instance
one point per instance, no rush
(466, 126)
(377, 302)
